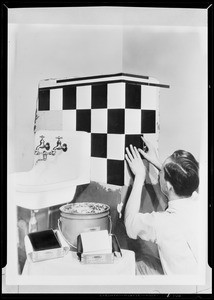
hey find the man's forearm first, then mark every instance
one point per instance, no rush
(133, 204)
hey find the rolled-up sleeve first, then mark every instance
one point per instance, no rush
(142, 225)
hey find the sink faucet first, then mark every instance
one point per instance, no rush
(41, 145)
(59, 146)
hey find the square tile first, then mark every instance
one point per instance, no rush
(83, 120)
(116, 95)
(115, 146)
(133, 95)
(116, 120)
(149, 97)
(98, 145)
(49, 120)
(83, 97)
(69, 97)
(133, 121)
(56, 99)
(44, 100)
(115, 172)
(134, 139)
(69, 120)
(99, 169)
(99, 95)
(148, 123)
(99, 120)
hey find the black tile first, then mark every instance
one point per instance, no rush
(115, 172)
(116, 120)
(134, 139)
(133, 95)
(69, 97)
(99, 145)
(99, 95)
(148, 121)
(83, 120)
(44, 100)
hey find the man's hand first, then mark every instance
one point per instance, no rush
(135, 162)
(151, 155)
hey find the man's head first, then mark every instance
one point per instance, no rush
(180, 174)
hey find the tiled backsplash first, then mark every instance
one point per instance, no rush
(115, 109)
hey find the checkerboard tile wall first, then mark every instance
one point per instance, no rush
(115, 114)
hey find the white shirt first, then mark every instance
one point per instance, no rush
(174, 231)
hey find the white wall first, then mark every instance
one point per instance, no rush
(175, 56)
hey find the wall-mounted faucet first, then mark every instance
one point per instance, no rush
(42, 145)
(59, 146)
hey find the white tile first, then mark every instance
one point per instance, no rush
(115, 146)
(55, 99)
(116, 95)
(98, 169)
(83, 97)
(99, 120)
(69, 120)
(132, 121)
(149, 96)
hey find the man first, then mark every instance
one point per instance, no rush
(175, 229)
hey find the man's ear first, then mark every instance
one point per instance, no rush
(169, 186)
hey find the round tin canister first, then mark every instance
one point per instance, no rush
(72, 224)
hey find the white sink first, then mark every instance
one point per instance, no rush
(54, 181)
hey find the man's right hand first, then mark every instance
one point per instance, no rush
(151, 155)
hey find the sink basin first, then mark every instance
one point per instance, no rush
(54, 181)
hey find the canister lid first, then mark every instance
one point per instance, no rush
(85, 208)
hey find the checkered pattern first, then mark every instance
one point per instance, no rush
(115, 114)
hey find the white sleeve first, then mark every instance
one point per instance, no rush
(142, 225)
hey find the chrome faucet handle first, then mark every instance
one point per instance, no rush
(64, 147)
(58, 137)
(42, 136)
(47, 146)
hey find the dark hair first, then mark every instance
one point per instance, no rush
(182, 172)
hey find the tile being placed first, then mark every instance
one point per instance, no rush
(132, 121)
(133, 95)
(99, 169)
(44, 99)
(56, 99)
(99, 95)
(149, 97)
(116, 95)
(83, 120)
(148, 121)
(116, 118)
(98, 145)
(99, 120)
(69, 120)
(115, 146)
(69, 97)
(83, 97)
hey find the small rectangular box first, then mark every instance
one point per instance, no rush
(99, 258)
(44, 245)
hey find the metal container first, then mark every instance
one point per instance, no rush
(81, 217)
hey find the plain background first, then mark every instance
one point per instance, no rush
(167, 44)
